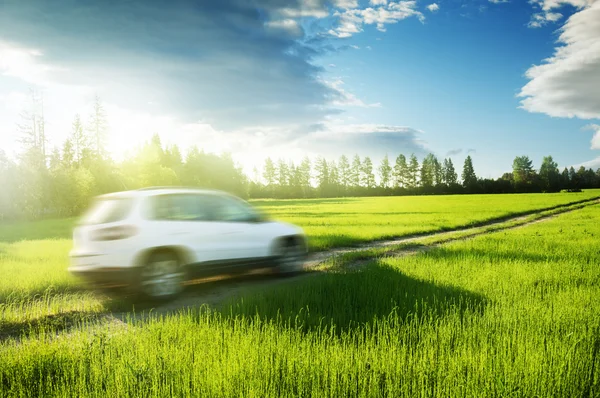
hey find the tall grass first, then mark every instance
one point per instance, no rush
(510, 314)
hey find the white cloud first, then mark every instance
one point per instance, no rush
(498, 1)
(345, 4)
(433, 7)
(351, 21)
(567, 84)
(25, 64)
(548, 5)
(377, 2)
(595, 143)
(593, 164)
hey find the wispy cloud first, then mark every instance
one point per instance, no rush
(540, 19)
(454, 152)
(351, 22)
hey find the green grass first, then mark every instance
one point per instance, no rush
(510, 314)
(348, 221)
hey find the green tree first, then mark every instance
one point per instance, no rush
(54, 159)
(438, 173)
(367, 176)
(428, 171)
(68, 154)
(449, 173)
(469, 177)
(344, 172)
(9, 193)
(305, 173)
(78, 139)
(269, 173)
(523, 170)
(413, 171)
(355, 172)
(385, 172)
(334, 177)
(400, 172)
(282, 173)
(549, 175)
(322, 175)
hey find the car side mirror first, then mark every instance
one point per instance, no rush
(257, 218)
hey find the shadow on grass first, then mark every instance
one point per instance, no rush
(42, 293)
(349, 300)
(46, 324)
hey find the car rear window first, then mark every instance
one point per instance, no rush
(107, 210)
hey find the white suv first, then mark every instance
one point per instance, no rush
(156, 239)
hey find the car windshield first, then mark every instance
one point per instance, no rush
(107, 210)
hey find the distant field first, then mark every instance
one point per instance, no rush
(348, 221)
(513, 313)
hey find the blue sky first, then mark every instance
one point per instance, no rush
(493, 79)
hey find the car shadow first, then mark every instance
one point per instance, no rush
(47, 324)
(346, 301)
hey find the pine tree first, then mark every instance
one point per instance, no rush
(449, 173)
(355, 172)
(427, 171)
(400, 172)
(282, 173)
(322, 175)
(438, 175)
(385, 172)
(413, 171)
(305, 174)
(79, 139)
(54, 161)
(344, 172)
(269, 172)
(468, 175)
(98, 127)
(368, 178)
(68, 154)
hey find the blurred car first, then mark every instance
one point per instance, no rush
(155, 239)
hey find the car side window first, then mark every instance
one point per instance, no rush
(179, 207)
(230, 210)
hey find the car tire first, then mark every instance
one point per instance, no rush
(289, 258)
(161, 277)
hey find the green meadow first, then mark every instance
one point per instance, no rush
(511, 313)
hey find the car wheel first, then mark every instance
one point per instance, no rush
(162, 277)
(290, 259)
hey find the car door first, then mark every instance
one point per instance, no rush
(185, 220)
(240, 225)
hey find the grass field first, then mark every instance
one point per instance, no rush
(347, 221)
(512, 313)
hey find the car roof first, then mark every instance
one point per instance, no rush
(152, 191)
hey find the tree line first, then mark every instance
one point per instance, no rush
(408, 176)
(61, 181)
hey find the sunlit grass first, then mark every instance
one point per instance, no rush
(512, 313)
(348, 221)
